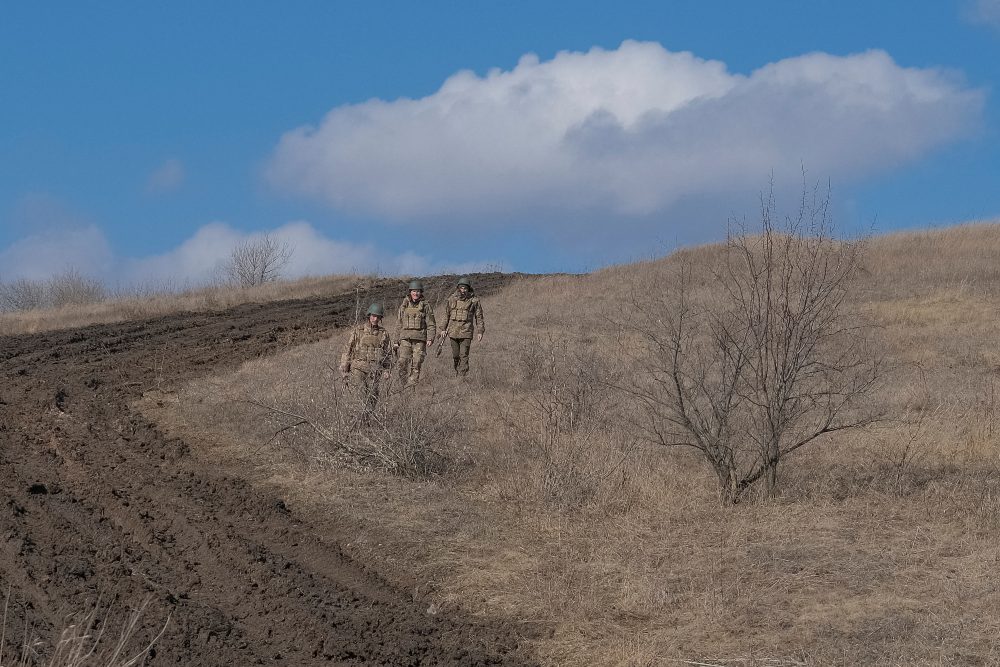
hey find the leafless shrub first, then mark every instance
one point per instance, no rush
(72, 288)
(764, 361)
(22, 294)
(257, 261)
(69, 288)
(401, 434)
(558, 437)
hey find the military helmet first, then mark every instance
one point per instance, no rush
(416, 285)
(376, 309)
(464, 281)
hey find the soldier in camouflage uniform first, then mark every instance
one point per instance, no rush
(463, 314)
(367, 357)
(416, 332)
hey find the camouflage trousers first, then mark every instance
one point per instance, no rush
(460, 354)
(365, 385)
(411, 358)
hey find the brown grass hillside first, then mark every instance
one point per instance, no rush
(548, 509)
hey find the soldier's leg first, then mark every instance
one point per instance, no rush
(405, 356)
(358, 382)
(374, 381)
(455, 352)
(463, 354)
(419, 352)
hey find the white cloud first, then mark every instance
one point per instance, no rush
(47, 253)
(198, 259)
(629, 131)
(167, 177)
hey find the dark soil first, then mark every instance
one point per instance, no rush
(96, 502)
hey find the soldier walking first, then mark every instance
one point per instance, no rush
(366, 358)
(416, 333)
(463, 314)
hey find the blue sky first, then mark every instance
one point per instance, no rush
(139, 141)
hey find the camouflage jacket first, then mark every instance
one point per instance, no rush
(464, 316)
(367, 348)
(416, 320)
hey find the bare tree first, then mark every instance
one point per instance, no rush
(759, 358)
(257, 260)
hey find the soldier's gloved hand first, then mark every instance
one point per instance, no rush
(385, 375)
(480, 338)
(430, 341)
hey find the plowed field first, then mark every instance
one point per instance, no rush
(98, 502)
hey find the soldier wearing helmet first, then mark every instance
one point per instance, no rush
(463, 314)
(367, 357)
(416, 332)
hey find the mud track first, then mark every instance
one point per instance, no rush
(96, 501)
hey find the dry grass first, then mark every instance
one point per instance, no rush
(156, 303)
(87, 640)
(882, 549)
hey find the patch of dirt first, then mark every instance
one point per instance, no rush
(96, 501)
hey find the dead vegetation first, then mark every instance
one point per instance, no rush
(547, 507)
(98, 637)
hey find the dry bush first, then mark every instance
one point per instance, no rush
(72, 288)
(22, 294)
(69, 288)
(558, 445)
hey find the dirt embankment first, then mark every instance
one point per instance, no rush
(98, 502)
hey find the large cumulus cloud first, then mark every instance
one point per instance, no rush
(627, 132)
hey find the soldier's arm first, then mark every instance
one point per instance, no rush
(399, 321)
(431, 324)
(345, 357)
(480, 322)
(447, 317)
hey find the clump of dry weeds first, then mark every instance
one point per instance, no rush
(98, 637)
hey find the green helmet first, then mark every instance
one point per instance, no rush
(376, 309)
(464, 281)
(417, 285)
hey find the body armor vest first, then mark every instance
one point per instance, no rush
(369, 347)
(414, 316)
(461, 310)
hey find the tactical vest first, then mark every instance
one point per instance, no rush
(461, 310)
(414, 318)
(462, 316)
(369, 346)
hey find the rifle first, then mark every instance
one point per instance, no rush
(440, 346)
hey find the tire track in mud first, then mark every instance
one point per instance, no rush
(98, 502)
